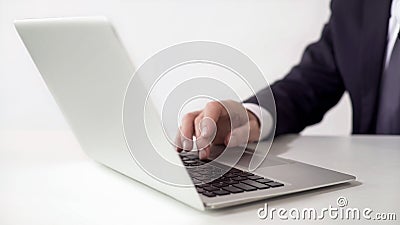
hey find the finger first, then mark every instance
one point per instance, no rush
(201, 141)
(212, 111)
(204, 153)
(187, 130)
(197, 128)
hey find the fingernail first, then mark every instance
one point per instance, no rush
(204, 131)
(186, 145)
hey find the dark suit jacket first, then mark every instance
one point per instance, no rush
(348, 57)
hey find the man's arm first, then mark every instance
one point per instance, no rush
(309, 90)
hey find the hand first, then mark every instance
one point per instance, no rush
(225, 122)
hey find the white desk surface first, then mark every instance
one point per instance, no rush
(45, 178)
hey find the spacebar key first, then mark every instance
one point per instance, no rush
(256, 184)
(245, 187)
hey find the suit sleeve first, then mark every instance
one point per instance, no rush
(309, 90)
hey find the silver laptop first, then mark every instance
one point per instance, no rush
(87, 70)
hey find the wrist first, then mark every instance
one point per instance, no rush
(253, 117)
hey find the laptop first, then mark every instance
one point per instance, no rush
(87, 70)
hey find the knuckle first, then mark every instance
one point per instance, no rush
(188, 116)
(213, 104)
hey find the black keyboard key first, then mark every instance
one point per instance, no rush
(232, 189)
(221, 179)
(192, 156)
(231, 182)
(234, 181)
(245, 187)
(200, 190)
(204, 185)
(243, 173)
(264, 180)
(230, 175)
(254, 177)
(211, 188)
(274, 184)
(209, 194)
(220, 184)
(221, 192)
(255, 184)
(239, 178)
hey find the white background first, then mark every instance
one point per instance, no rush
(273, 33)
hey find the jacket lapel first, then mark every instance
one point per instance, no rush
(376, 15)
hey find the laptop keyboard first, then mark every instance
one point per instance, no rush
(232, 182)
